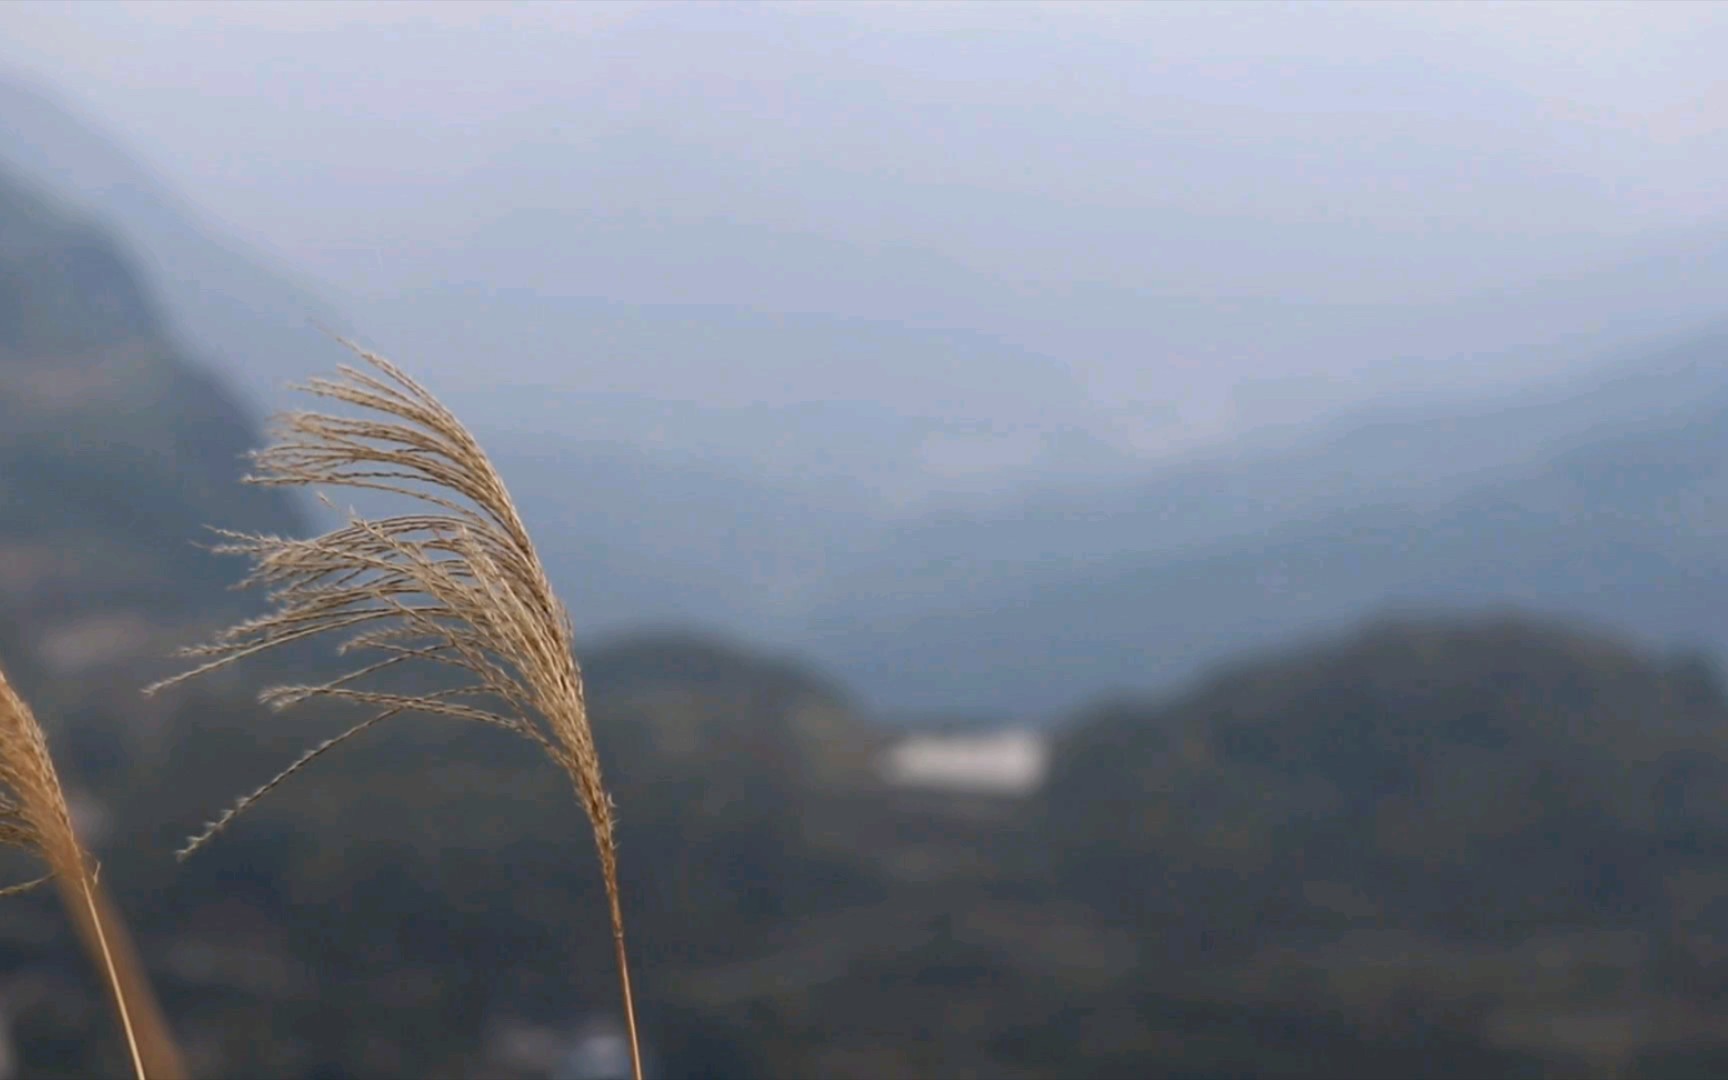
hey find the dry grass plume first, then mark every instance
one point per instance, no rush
(35, 818)
(457, 585)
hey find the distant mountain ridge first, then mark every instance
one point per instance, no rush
(1602, 496)
(224, 304)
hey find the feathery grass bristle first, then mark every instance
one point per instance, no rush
(457, 585)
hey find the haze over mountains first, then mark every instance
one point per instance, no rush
(1176, 224)
(886, 449)
(1601, 498)
(245, 316)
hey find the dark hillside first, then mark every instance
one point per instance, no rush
(1409, 819)
(115, 452)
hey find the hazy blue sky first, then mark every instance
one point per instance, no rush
(1194, 216)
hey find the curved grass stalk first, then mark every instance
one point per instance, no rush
(34, 817)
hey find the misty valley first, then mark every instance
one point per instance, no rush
(1389, 744)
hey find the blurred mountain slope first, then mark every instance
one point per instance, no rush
(116, 452)
(1386, 825)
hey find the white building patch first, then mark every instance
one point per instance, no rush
(1011, 763)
